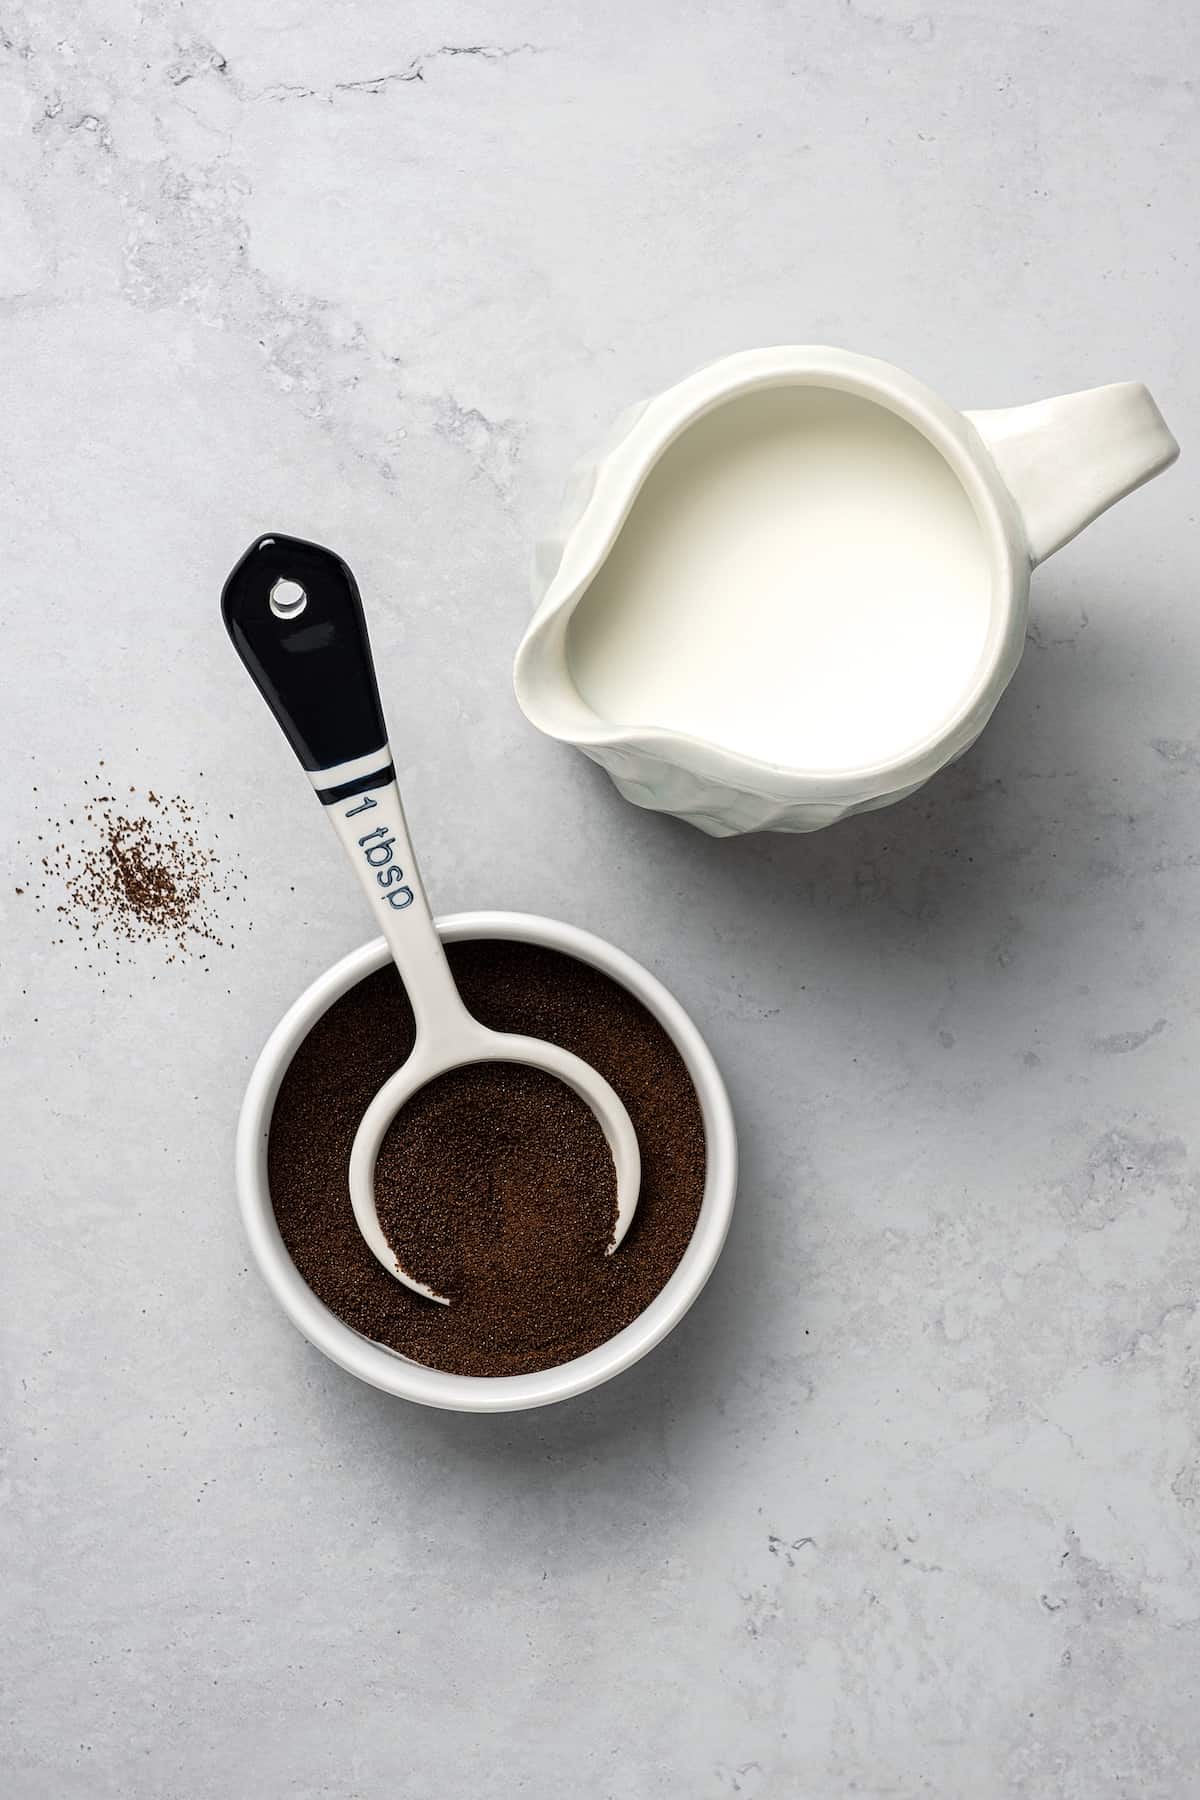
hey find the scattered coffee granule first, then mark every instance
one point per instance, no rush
(133, 869)
(496, 1183)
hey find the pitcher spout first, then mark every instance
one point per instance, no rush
(1066, 461)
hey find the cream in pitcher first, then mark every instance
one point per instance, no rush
(798, 583)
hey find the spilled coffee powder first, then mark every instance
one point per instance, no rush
(496, 1184)
(126, 868)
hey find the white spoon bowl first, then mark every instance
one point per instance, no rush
(476, 1044)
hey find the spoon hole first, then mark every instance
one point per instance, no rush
(287, 599)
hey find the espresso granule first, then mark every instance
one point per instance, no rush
(124, 870)
(474, 1172)
(496, 1184)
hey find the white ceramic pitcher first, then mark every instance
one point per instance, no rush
(795, 585)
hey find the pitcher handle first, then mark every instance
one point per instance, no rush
(1066, 461)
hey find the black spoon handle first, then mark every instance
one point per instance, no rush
(296, 620)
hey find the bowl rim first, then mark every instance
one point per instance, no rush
(387, 1369)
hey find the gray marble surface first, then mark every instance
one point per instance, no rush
(909, 1505)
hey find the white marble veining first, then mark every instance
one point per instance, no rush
(910, 1504)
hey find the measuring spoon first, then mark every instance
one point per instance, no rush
(296, 620)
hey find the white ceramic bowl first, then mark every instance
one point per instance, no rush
(394, 1373)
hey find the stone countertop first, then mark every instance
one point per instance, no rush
(910, 1503)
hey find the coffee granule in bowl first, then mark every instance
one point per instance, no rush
(495, 1183)
(477, 1169)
